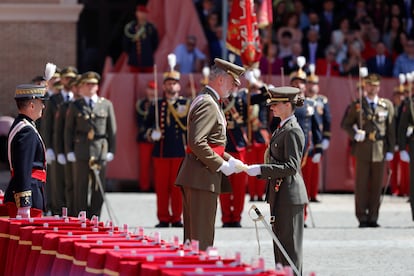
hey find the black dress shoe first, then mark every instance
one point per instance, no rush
(315, 200)
(373, 224)
(162, 224)
(236, 224)
(177, 224)
(363, 224)
(227, 224)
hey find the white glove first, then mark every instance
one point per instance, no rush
(155, 135)
(226, 168)
(71, 157)
(325, 144)
(238, 165)
(389, 156)
(316, 158)
(254, 170)
(250, 77)
(50, 156)
(404, 156)
(24, 212)
(109, 157)
(359, 135)
(61, 159)
(409, 131)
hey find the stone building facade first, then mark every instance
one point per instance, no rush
(32, 33)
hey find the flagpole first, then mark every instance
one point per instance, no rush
(225, 12)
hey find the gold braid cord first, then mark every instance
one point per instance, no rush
(178, 115)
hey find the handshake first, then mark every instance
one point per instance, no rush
(236, 166)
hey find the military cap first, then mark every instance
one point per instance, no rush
(399, 89)
(57, 73)
(282, 94)
(74, 81)
(232, 69)
(30, 91)
(312, 79)
(90, 77)
(58, 85)
(172, 75)
(372, 79)
(69, 71)
(298, 75)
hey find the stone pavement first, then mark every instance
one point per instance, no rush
(335, 246)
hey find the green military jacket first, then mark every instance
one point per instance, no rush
(379, 125)
(90, 132)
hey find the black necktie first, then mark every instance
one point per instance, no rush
(91, 103)
(372, 106)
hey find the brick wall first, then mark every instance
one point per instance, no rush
(27, 45)
(24, 51)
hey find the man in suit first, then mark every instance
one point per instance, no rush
(286, 191)
(374, 134)
(381, 63)
(27, 158)
(202, 175)
(90, 130)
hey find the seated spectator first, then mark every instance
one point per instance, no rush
(290, 62)
(285, 44)
(390, 37)
(327, 66)
(190, 59)
(353, 61)
(212, 33)
(291, 25)
(270, 63)
(405, 61)
(312, 48)
(381, 63)
(338, 36)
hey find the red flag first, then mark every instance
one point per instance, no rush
(243, 33)
(265, 14)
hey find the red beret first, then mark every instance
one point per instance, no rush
(142, 8)
(151, 84)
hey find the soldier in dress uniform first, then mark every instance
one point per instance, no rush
(202, 173)
(66, 188)
(169, 137)
(406, 141)
(145, 147)
(286, 191)
(257, 132)
(323, 118)
(25, 194)
(400, 178)
(235, 109)
(90, 130)
(57, 181)
(371, 124)
(140, 41)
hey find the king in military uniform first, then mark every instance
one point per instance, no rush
(90, 130)
(27, 155)
(370, 123)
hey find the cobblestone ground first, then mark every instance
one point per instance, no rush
(335, 246)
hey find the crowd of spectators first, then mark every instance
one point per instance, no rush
(338, 36)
